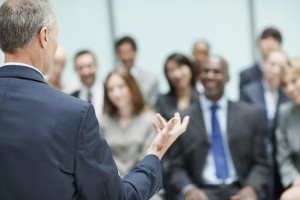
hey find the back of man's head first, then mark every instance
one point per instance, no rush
(20, 21)
(271, 32)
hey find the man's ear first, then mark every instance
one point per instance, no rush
(43, 37)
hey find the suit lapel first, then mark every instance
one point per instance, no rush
(231, 120)
(199, 139)
(201, 125)
(281, 99)
(261, 100)
(295, 128)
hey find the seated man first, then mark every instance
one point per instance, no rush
(266, 95)
(270, 40)
(222, 155)
(91, 89)
(126, 50)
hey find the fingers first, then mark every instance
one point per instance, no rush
(156, 127)
(182, 126)
(185, 122)
(171, 124)
(174, 126)
(234, 197)
(161, 120)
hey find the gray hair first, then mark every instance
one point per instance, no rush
(21, 20)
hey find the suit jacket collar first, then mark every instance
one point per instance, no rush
(261, 96)
(232, 120)
(19, 71)
(198, 115)
(261, 99)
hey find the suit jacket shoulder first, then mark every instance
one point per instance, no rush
(75, 93)
(250, 74)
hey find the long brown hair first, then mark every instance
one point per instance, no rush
(136, 95)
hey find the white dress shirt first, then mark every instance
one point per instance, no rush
(209, 175)
(271, 98)
(97, 98)
(22, 64)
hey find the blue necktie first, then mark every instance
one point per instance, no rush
(218, 146)
(89, 96)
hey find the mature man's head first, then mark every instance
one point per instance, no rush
(126, 51)
(86, 67)
(21, 21)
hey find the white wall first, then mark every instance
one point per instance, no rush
(162, 27)
(84, 25)
(284, 15)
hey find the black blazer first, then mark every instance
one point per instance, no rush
(250, 74)
(166, 104)
(253, 93)
(245, 138)
(50, 146)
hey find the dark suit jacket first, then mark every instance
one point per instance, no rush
(253, 93)
(75, 94)
(250, 74)
(50, 147)
(166, 104)
(245, 132)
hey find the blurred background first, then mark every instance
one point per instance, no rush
(161, 27)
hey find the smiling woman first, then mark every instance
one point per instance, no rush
(126, 123)
(180, 75)
(287, 133)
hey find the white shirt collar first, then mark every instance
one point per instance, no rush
(207, 103)
(22, 64)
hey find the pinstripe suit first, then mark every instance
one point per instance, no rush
(288, 142)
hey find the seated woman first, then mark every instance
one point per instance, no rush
(181, 78)
(288, 133)
(126, 123)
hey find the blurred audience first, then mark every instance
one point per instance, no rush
(200, 53)
(221, 155)
(90, 90)
(270, 40)
(267, 96)
(126, 49)
(55, 78)
(288, 133)
(126, 123)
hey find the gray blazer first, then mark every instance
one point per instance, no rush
(288, 142)
(148, 84)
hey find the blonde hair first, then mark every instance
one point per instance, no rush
(293, 66)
